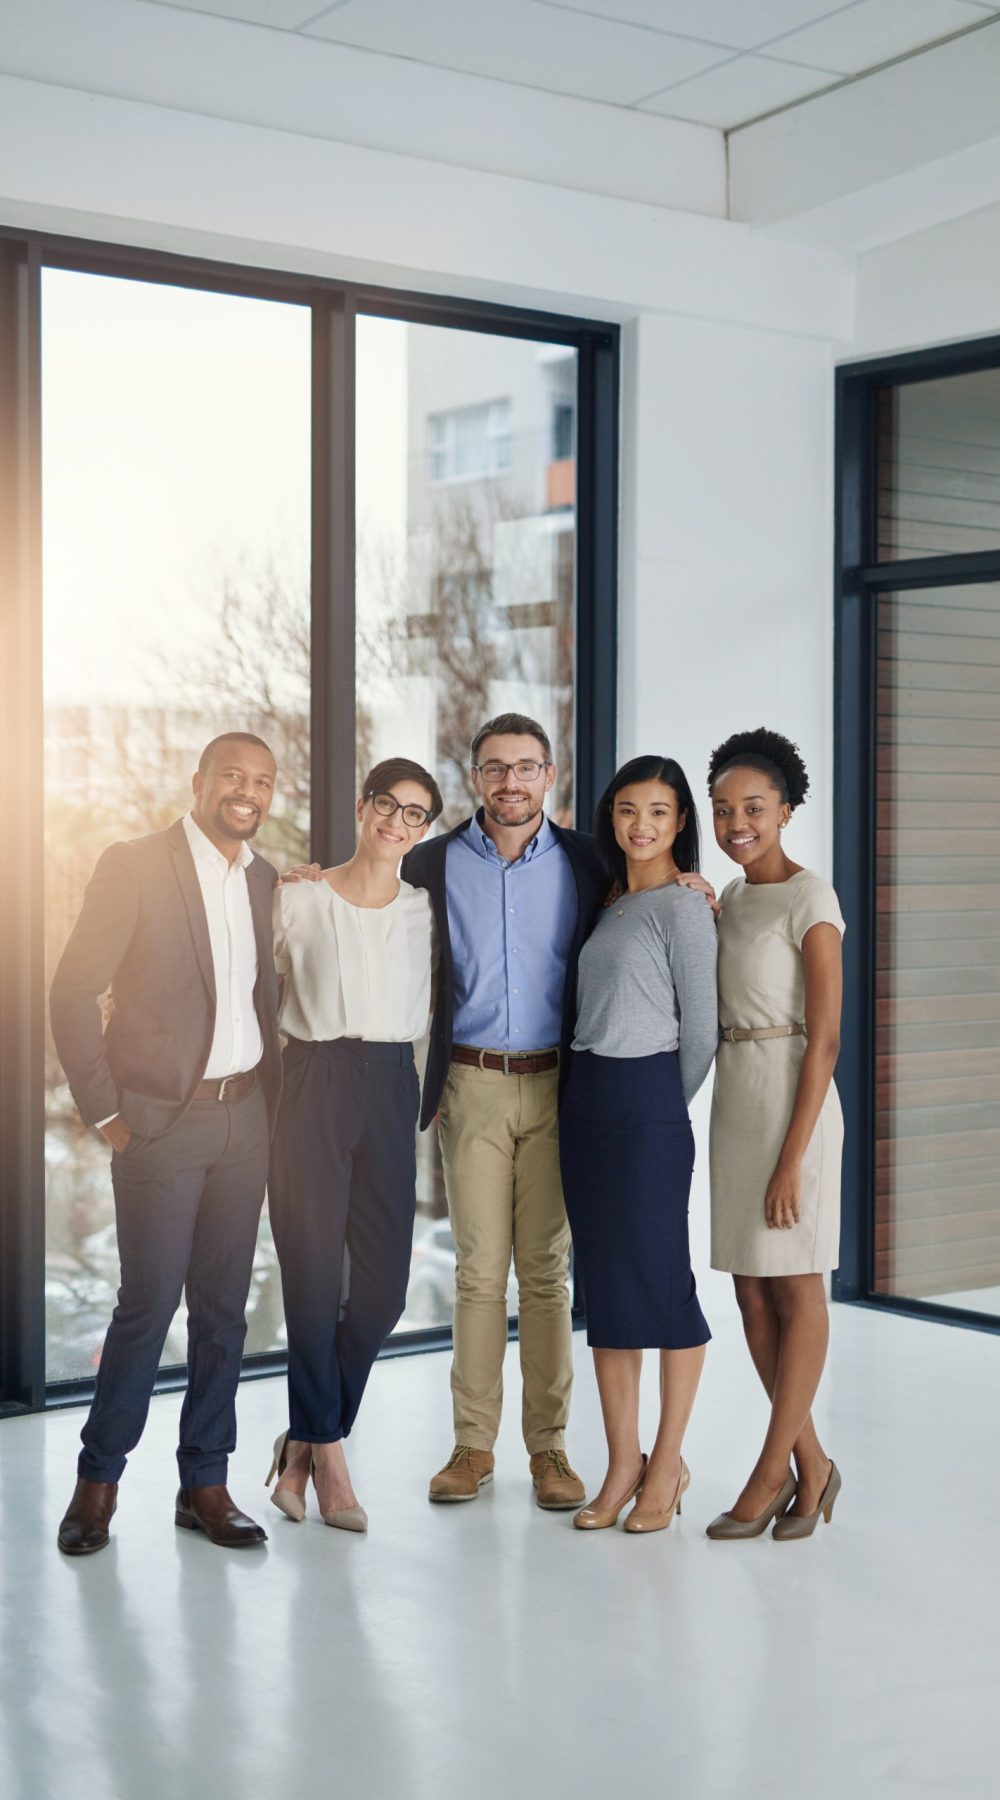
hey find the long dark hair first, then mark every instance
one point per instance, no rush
(686, 849)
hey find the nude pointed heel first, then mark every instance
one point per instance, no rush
(639, 1522)
(292, 1505)
(343, 1518)
(802, 1525)
(589, 1518)
(725, 1526)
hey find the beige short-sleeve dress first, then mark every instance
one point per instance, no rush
(761, 929)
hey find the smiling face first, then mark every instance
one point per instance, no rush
(748, 814)
(389, 837)
(646, 818)
(512, 799)
(232, 798)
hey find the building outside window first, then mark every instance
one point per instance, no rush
(470, 442)
(197, 576)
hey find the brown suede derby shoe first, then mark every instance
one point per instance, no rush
(213, 1511)
(557, 1486)
(465, 1472)
(85, 1526)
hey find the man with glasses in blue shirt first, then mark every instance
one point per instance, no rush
(514, 899)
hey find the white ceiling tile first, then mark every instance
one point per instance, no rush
(738, 91)
(285, 14)
(564, 51)
(741, 24)
(876, 31)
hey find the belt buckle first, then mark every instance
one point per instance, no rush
(506, 1061)
(223, 1084)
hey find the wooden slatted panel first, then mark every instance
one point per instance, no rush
(937, 1212)
(939, 467)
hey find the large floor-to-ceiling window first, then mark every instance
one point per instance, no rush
(918, 828)
(466, 554)
(352, 522)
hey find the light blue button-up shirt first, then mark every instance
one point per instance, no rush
(511, 927)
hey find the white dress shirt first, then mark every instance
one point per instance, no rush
(353, 971)
(237, 1044)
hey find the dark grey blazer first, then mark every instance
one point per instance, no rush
(143, 928)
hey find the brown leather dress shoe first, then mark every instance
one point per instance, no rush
(85, 1526)
(557, 1486)
(465, 1472)
(213, 1511)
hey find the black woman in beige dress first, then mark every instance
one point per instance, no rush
(777, 1129)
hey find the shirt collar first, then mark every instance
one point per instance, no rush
(203, 850)
(483, 844)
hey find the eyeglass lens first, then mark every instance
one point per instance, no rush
(386, 805)
(525, 771)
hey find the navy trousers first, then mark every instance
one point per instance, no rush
(343, 1179)
(187, 1207)
(627, 1154)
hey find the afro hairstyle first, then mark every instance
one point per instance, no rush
(775, 756)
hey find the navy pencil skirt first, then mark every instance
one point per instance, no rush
(627, 1153)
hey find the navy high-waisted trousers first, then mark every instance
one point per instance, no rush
(627, 1155)
(343, 1177)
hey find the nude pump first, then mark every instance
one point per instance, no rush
(725, 1526)
(649, 1521)
(801, 1525)
(590, 1519)
(342, 1518)
(292, 1505)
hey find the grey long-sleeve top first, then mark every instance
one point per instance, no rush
(646, 982)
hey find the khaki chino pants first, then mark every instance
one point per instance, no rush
(500, 1150)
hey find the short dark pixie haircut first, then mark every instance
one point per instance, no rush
(231, 737)
(383, 778)
(511, 724)
(773, 755)
(647, 768)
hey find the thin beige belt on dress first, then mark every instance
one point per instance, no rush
(739, 1034)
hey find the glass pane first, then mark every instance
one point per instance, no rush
(176, 432)
(938, 947)
(465, 583)
(939, 467)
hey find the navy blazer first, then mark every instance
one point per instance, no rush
(144, 929)
(424, 866)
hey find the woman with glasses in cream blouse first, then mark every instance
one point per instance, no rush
(355, 951)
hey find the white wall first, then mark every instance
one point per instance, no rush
(726, 585)
(932, 287)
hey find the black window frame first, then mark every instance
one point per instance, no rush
(334, 305)
(859, 579)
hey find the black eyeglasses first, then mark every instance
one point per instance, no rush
(498, 771)
(412, 815)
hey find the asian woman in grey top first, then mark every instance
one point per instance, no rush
(646, 1034)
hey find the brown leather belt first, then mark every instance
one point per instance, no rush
(738, 1034)
(508, 1062)
(228, 1089)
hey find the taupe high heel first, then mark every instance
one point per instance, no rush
(801, 1525)
(638, 1521)
(725, 1526)
(342, 1518)
(292, 1505)
(590, 1519)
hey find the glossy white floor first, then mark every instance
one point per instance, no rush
(491, 1650)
